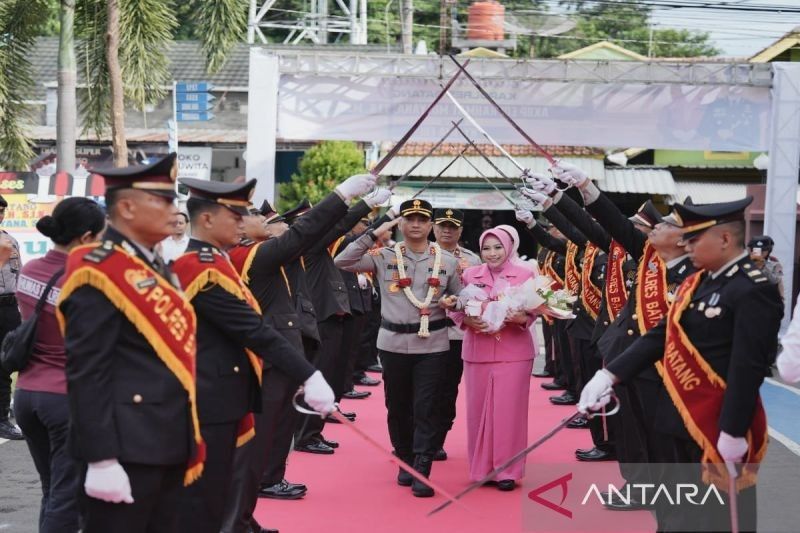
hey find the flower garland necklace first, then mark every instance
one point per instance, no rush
(433, 282)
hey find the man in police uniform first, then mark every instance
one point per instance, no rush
(413, 342)
(129, 337)
(760, 248)
(715, 347)
(9, 319)
(447, 228)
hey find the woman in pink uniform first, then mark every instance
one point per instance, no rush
(497, 366)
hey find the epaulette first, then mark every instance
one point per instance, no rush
(100, 253)
(247, 242)
(754, 274)
(205, 255)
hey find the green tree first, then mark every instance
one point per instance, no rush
(321, 168)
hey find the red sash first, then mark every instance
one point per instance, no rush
(572, 277)
(550, 271)
(652, 293)
(616, 291)
(242, 256)
(334, 248)
(698, 392)
(195, 275)
(159, 311)
(591, 295)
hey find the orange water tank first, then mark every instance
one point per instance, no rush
(485, 21)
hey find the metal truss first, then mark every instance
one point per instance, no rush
(350, 17)
(349, 64)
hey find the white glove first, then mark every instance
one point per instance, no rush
(523, 215)
(357, 185)
(789, 365)
(393, 212)
(569, 174)
(597, 392)
(318, 394)
(362, 281)
(378, 196)
(732, 449)
(539, 182)
(537, 196)
(108, 481)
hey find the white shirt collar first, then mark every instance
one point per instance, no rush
(729, 264)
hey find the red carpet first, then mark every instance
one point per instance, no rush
(354, 490)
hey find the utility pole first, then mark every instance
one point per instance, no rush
(407, 26)
(442, 27)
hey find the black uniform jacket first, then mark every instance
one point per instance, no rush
(328, 291)
(124, 402)
(227, 388)
(275, 293)
(737, 343)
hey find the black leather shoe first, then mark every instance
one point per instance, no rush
(377, 367)
(543, 374)
(367, 381)
(506, 485)
(332, 443)
(581, 451)
(404, 479)
(565, 399)
(595, 455)
(422, 464)
(9, 430)
(440, 455)
(579, 423)
(553, 385)
(298, 486)
(281, 491)
(314, 447)
(331, 420)
(356, 394)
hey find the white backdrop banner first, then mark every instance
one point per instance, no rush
(720, 118)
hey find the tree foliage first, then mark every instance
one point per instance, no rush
(321, 168)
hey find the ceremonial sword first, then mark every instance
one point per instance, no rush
(481, 174)
(424, 157)
(522, 453)
(545, 154)
(405, 467)
(376, 170)
(437, 176)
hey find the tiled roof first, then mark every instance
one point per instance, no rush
(453, 149)
(151, 135)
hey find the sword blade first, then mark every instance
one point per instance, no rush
(437, 176)
(424, 157)
(499, 109)
(490, 182)
(733, 504)
(484, 156)
(517, 457)
(404, 139)
(394, 459)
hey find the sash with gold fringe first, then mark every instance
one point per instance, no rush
(616, 291)
(242, 256)
(698, 393)
(159, 311)
(550, 271)
(572, 277)
(652, 291)
(194, 275)
(591, 295)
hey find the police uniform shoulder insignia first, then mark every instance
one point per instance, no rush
(733, 270)
(760, 280)
(247, 242)
(755, 272)
(100, 253)
(128, 247)
(205, 255)
(747, 266)
(682, 269)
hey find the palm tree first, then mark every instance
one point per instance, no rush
(67, 114)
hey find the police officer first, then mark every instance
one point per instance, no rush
(715, 347)
(130, 343)
(232, 340)
(413, 342)
(447, 228)
(760, 248)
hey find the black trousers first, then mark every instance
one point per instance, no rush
(263, 458)
(445, 406)
(589, 363)
(157, 492)
(203, 502)
(549, 348)
(566, 361)
(44, 419)
(630, 440)
(330, 332)
(9, 320)
(368, 338)
(351, 343)
(411, 383)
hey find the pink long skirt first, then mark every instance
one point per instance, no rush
(497, 416)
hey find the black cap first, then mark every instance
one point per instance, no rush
(647, 215)
(298, 210)
(762, 241)
(234, 196)
(156, 178)
(694, 219)
(452, 216)
(267, 211)
(416, 206)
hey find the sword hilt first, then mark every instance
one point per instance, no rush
(300, 409)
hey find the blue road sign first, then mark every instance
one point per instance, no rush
(193, 87)
(185, 117)
(195, 106)
(194, 97)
